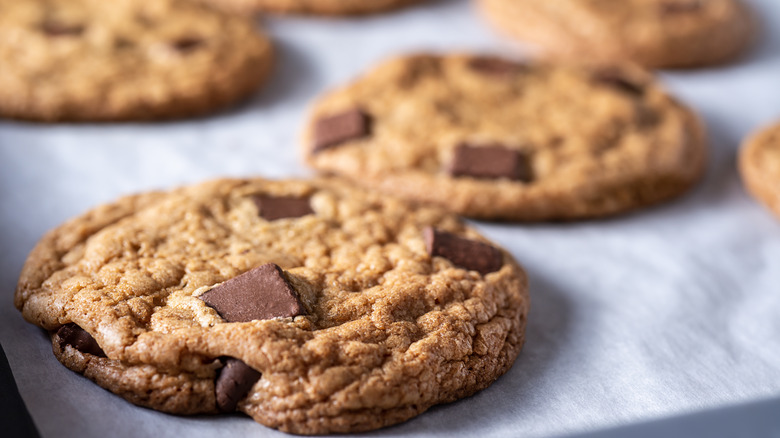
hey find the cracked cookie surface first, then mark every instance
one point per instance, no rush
(496, 139)
(91, 60)
(653, 33)
(383, 332)
(759, 165)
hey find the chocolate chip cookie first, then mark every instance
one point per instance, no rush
(759, 165)
(654, 33)
(313, 307)
(92, 60)
(498, 139)
(312, 7)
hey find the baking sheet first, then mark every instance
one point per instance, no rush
(667, 311)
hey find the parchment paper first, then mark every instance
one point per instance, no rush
(666, 311)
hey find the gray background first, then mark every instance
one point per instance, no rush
(666, 311)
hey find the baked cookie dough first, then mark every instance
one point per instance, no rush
(313, 307)
(759, 165)
(311, 7)
(94, 60)
(495, 139)
(653, 33)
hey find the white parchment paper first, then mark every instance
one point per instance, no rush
(669, 310)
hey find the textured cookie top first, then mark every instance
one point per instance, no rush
(759, 164)
(124, 59)
(378, 331)
(314, 7)
(655, 33)
(491, 138)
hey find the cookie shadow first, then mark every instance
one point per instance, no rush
(547, 333)
(763, 47)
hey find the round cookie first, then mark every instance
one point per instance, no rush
(313, 307)
(494, 139)
(759, 165)
(653, 33)
(92, 60)
(312, 7)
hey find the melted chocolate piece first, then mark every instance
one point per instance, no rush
(490, 162)
(261, 293)
(340, 128)
(280, 207)
(462, 252)
(78, 338)
(233, 383)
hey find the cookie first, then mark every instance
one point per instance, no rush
(91, 60)
(313, 307)
(653, 33)
(759, 166)
(311, 7)
(495, 139)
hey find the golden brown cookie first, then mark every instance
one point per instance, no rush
(759, 165)
(495, 139)
(93, 60)
(313, 307)
(312, 7)
(653, 33)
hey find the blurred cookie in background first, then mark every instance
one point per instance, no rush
(759, 165)
(311, 7)
(491, 138)
(653, 33)
(91, 60)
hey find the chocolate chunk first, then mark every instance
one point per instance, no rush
(614, 79)
(279, 207)
(233, 383)
(670, 7)
(494, 161)
(186, 45)
(56, 29)
(78, 338)
(339, 128)
(262, 293)
(465, 253)
(492, 66)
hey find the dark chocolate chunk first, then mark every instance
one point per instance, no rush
(465, 253)
(187, 44)
(614, 79)
(493, 66)
(339, 128)
(233, 383)
(670, 7)
(78, 338)
(494, 161)
(279, 207)
(57, 29)
(262, 293)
